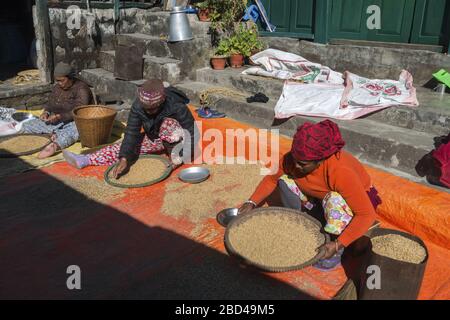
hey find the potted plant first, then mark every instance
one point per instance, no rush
(239, 47)
(225, 16)
(255, 44)
(219, 60)
(204, 9)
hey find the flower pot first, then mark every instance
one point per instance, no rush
(236, 60)
(203, 15)
(218, 63)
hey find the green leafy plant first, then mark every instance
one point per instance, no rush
(245, 40)
(251, 36)
(235, 37)
(226, 14)
(203, 5)
(223, 49)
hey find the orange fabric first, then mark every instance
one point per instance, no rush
(341, 173)
(130, 241)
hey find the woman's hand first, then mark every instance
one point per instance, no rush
(44, 116)
(246, 208)
(175, 166)
(53, 119)
(329, 249)
(120, 168)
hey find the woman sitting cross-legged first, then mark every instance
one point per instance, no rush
(57, 118)
(159, 121)
(317, 168)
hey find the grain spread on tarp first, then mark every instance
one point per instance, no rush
(229, 185)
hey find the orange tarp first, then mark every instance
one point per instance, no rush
(129, 249)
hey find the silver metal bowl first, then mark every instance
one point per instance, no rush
(225, 216)
(194, 174)
(22, 116)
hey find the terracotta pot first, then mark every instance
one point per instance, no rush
(236, 60)
(203, 15)
(218, 63)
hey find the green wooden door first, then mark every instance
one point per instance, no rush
(293, 18)
(396, 21)
(349, 18)
(431, 22)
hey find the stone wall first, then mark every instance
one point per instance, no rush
(371, 62)
(79, 44)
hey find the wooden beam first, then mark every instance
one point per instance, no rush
(44, 41)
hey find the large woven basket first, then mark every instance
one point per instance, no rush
(94, 124)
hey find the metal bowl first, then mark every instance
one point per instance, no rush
(194, 174)
(225, 216)
(22, 116)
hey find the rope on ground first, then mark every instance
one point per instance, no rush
(205, 95)
(26, 77)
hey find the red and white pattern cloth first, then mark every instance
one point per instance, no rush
(170, 132)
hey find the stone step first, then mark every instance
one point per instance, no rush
(193, 54)
(104, 83)
(166, 69)
(433, 115)
(157, 24)
(395, 149)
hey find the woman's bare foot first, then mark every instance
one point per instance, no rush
(48, 151)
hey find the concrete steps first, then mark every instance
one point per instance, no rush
(166, 69)
(391, 148)
(433, 115)
(383, 145)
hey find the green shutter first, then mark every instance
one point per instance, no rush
(396, 21)
(293, 18)
(348, 19)
(431, 22)
(301, 18)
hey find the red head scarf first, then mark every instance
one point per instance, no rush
(319, 141)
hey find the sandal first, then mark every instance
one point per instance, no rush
(209, 113)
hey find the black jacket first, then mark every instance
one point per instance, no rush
(174, 107)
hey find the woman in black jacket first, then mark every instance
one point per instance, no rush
(159, 121)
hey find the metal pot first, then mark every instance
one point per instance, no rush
(180, 29)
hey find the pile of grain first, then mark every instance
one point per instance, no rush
(22, 143)
(399, 248)
(92, 188)
(228, 186)
(143, 171)
(276, 240)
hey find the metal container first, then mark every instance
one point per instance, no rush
(180, 29)
(194, 174)
(22, 116)
(225, 216)
(441, 88)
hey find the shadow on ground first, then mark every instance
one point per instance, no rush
(46, 226)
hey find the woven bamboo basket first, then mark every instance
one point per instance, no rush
(94, 124)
